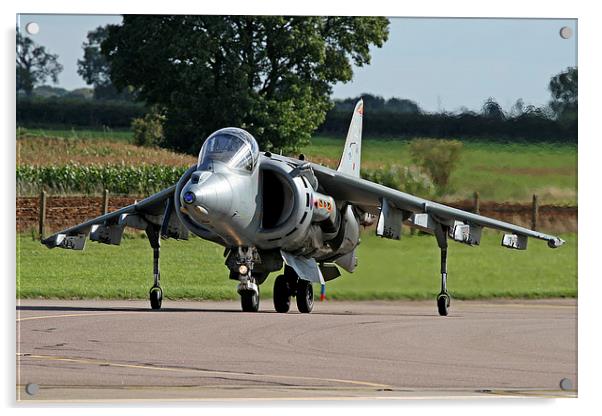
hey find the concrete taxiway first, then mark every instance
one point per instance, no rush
(122, 350)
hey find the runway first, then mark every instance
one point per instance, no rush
(210, 351)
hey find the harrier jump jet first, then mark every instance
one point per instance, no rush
(269, 210)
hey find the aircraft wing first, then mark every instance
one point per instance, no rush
(155, 211)
(395, 206)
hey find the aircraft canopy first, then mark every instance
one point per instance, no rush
(231, 146)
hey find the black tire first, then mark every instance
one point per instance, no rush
(305, 296)
(156, 297)
(282, 295)
(249, 300)
(443, 302)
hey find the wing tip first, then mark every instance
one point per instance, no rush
(555, 242)
(51, 242)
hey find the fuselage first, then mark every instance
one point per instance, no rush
(266, 202)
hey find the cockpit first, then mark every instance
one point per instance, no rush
(232, 147)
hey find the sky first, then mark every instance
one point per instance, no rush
(442, 64)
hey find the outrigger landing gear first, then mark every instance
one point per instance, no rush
(443, 298)
(289, 284)
(155, 293)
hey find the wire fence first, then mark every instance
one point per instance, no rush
(47, 213)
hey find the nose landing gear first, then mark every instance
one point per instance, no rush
(249, 298)
(248, 289)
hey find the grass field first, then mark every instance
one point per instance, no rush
(107, 134)
(406, 269)
(499, 172)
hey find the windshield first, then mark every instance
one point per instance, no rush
(233, 147)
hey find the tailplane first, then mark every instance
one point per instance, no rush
(350, 161)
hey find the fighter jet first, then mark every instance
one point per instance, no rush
(270, 211)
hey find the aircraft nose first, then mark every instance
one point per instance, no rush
(207, 199)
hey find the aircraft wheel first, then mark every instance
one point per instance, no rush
(282, 295)
(443, 301)
(156, 297)
(305, 296)
(249, 300)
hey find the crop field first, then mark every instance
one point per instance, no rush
(406, 269)
(499, 172)
(60, 151)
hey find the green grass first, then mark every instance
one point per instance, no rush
(107, 134)
(499, 172)
(406, 269)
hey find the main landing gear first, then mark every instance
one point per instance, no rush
(289, 284)
(443, 298)
(155, 293)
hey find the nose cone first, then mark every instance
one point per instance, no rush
(208, 199)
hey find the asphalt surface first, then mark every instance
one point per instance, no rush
(123, 351)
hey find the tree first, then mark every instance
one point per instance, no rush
(402, 105)
(271, 75)
(437, 158)
(518, 108)
(34, 65)
(563, 88)
(491, 109)
(94, 68)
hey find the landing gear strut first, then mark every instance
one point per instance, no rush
(443, 298)
(155, 293)
(289, 284)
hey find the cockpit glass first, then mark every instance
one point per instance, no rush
(233, 149)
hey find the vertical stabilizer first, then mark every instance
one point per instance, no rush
(350, 162)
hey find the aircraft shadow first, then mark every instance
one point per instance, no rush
(51, 308)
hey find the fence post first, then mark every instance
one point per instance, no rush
(42, 206)
(477, 204)
(105, 202)
(535, 213)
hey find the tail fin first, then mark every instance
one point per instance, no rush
(352, 155)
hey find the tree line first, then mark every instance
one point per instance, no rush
(401, 118)
(272, 75)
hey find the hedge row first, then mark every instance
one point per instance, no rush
(77, 112)
(132, 180)
(530, 127)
